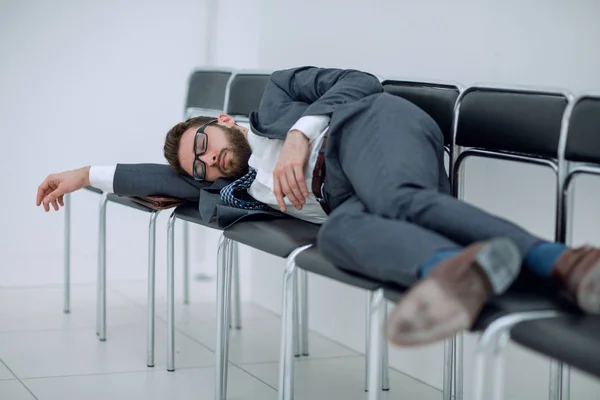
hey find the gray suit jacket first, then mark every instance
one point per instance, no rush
(289, 95)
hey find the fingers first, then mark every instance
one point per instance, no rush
(299, 172)
(51, 199)
(286, 188)
(289, 182)
(294, 194)
(278, 194)
(42, 189)
(61, 200)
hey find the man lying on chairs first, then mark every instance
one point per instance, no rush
(328, 146)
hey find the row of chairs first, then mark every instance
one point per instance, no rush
(545, 128)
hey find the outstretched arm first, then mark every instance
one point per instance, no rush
(52, 190)
(123, 179)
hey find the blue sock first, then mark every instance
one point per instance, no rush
(435, 260)
(542, 257)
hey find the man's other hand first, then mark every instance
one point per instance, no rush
(55, 186)
(288, 176)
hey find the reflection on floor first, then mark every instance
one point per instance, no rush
(47, 355)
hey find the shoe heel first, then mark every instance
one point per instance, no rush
(501, 262)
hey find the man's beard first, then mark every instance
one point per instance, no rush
(239, 153)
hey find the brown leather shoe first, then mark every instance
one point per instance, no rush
(449, 299)
(577, 271)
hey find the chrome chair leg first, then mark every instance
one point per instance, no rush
(186, 263)
(171, 292)
(286, 353)
(369, 301)
(237, 300)
(385, 363)
(490, 345)
(228, 280)
(304, 310)
(67, 253)
(376, 320)
(296, 315)
(151, 287)
(448, 356)
(222, 342)
(560, 381)
(458, 377)
(101, 284)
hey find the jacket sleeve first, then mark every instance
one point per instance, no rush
(323, 89)
(292, 94)
(155, 180)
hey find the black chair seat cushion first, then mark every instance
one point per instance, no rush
(278, 237)
(124, 201)
(572, 339)
(189, 212)
(311, 260)
(93, 189)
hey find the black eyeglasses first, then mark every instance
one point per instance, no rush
(200, 146)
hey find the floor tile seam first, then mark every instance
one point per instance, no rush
(148, 369)
(302, 359)
(254, 376)
(18, 379)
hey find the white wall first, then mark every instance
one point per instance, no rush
(544, 43)
(86, 82)
(79, 76)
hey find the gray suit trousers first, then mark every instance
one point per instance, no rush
(400, 211)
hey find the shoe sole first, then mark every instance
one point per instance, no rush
(588, 293)
(499, 259)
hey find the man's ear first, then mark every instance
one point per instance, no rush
(226, 120)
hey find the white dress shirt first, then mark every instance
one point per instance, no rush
(265, 154)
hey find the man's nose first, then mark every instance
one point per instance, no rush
(210, 159)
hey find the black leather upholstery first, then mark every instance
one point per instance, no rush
(189, 212)
(514, 122)
(583, 140)
(436, 100)
(278, 237)
(124, 201)
(93, 189)
(573, 339)
(245, 93)
(311, 260)
(206, 89)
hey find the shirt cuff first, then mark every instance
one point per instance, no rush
(311, 125)
(102, 177)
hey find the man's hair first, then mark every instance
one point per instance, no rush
(171, 147)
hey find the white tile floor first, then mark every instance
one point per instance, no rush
(47, 355)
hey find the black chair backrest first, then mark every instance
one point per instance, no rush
(506, 120)
(245, 92)
(437, 100)
(583, 138)
(206, 89)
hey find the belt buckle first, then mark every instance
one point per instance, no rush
(321, 199)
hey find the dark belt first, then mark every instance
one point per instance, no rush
(318, 177)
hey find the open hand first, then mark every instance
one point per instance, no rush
(55, 186)
(288, 175)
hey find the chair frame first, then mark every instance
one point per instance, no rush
(227, 255)
(376, 357)
(560, 382)
(495, 337)
(101, 281)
